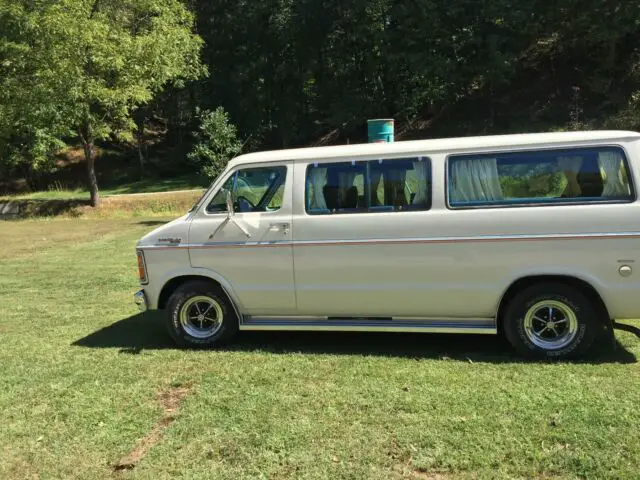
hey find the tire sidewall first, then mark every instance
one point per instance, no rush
(177, 301)
(587, 321)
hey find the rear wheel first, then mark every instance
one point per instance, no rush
(551, 320)
(200, 314)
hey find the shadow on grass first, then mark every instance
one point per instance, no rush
(41, 208)
(153, 223)
(152, 185)
(146, 331)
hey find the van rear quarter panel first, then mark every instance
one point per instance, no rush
(586, 242)
(597, 240)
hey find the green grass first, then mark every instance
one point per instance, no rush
(185, 182)
(82, 371)
(56, 192)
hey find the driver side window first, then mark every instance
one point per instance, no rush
(253, 190)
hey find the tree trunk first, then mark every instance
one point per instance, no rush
(140, 138)
(140, 121)
(92, 181)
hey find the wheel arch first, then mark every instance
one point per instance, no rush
(524, 282)
(174, 283)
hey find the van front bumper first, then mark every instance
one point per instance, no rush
(140, 299)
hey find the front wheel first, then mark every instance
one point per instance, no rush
(551, 320)
(199, 314)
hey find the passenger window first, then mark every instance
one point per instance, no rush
(336, 188)
(539, 177)
(253, 190)
(398, 185)
(369, 186)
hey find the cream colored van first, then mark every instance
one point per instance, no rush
(536, 236)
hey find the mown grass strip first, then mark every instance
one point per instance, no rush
(121, 207)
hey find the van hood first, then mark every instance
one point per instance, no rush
(175, 232)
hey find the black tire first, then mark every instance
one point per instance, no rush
(185, 297)
(570, 302)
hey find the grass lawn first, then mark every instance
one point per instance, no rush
(87, 384)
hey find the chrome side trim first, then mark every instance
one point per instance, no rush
(338, 325)
(394, 241)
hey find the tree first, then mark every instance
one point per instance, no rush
(216, 142)
(291, 73)
(81, 68)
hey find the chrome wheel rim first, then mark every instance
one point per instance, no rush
(201, 317)
(550, 324)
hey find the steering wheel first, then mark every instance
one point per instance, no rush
(244, 204)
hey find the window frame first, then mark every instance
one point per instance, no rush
(234, 173)
(553, 202)
(367, 180)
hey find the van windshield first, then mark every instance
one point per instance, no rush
(204, 194)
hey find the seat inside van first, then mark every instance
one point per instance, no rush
(589, 178)
(584, 176)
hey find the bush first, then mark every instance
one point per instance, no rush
(216, 142)
(29, 154)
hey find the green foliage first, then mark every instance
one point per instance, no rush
(81, 67)
(312, 71)
(293, 72)
(528, 180)
(30, 151)
(545, 185)
(216, 142)
(34, 148)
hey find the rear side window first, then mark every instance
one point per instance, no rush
(385, 185)
(539, 177)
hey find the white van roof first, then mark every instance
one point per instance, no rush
(436, 145)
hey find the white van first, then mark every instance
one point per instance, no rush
(532, 235)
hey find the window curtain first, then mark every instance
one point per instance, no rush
(420, 169)
(570, 166)
(317, 180)
(345, 182)
(394, 188)
(475, 180)
(611, 165)
(375, 177)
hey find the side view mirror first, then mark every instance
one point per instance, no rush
(230, 219)
(229, 201)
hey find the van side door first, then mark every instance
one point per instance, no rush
(251, 249)
(355, 225)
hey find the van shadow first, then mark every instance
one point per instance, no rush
(146, 331)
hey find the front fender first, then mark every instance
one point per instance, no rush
(161, 283)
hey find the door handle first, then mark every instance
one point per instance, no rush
(279, 227)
